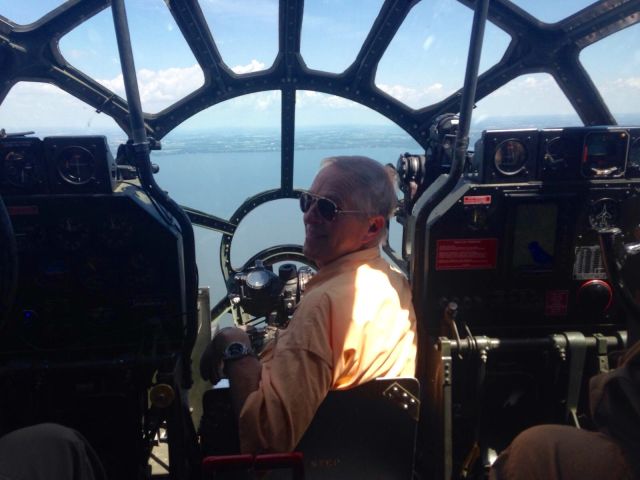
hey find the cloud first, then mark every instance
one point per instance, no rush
(160, 88)
(311, 99)
(253, 66)
(428, 42)
(535, 84)
(534, 94)
(33, 105)
(631, 82)
(263, 101)
(416, 97)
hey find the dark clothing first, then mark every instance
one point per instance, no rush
(48, 452)
(615, 405)
(562, 452)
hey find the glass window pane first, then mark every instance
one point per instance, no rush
(529, 101)
(27, 12)
(164, 75)
(331, 126)
(92, 47)
(214, 161)
(333, 32)
(208, 259)
(615, 69)
(274, 223)
(246, 33)
(328, 126)
(551, 11)
(47, 110)
(426, 60)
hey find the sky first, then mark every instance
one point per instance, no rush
(424, 63)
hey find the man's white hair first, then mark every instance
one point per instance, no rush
(369, 183)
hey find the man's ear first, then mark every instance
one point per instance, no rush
(376, 225)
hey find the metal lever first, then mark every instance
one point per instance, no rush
(615, 254)
(577, 347)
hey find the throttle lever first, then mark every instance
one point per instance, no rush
(615, 256)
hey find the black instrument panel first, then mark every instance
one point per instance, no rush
(59, 165)
(557, 154)
(525, 257)
(97, 273)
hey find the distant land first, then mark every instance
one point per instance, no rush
(267, 139)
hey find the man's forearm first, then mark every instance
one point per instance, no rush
(244, 378)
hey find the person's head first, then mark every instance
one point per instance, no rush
(361, 199)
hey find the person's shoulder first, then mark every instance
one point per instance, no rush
(395, 275)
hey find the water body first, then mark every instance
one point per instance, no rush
(216, 170)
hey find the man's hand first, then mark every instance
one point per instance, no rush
(211, 363)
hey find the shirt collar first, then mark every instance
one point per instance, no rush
(344, 263)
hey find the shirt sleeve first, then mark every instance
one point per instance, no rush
(294, 382)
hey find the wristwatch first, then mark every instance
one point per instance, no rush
(235, 351)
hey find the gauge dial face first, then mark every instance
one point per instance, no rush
(510, 157)
(19, 169)
(604, 154)
(558, 153)
(76, 165)
(634, 155)
(604, 213)
(258, 279)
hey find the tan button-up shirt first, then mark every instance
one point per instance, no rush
(354, 324)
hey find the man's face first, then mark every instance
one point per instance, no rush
(326, 240)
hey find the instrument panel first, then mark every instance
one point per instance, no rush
(557, 154)
(65, 165)
(98, 273)
(525, 257)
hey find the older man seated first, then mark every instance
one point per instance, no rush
(354, 324)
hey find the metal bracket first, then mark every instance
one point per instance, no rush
(444, 345)
(577, 347)
(601, 352)
(404, 399)
(621, 335)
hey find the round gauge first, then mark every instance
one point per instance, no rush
(259, 279)
(76, 165)
(510, 157)
(19, 169)
(604, 213)
(558, 151)
(478, 218)
(604, 154)
(634, 155)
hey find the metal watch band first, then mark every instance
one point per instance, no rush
(235, 351)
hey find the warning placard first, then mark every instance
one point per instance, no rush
(466, 254)
(556, 303)
(15, 210)
(477, 200)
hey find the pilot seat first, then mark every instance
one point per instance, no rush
(365, 432)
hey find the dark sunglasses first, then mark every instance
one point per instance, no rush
(326, 208)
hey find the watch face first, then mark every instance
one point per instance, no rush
(235, 350)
